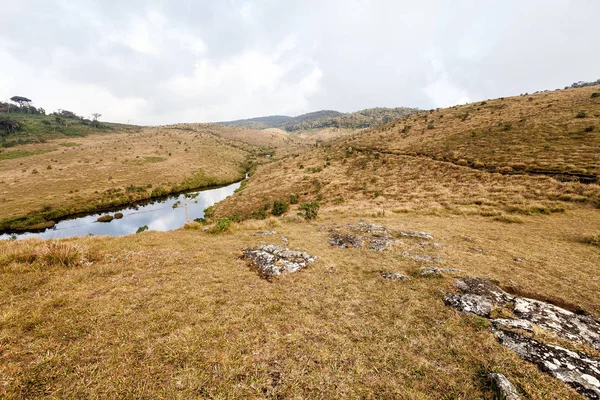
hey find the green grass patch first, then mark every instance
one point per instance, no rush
(11, 155)
(70, 144)
(146, 160)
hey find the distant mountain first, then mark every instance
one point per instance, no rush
(273, 121)
(326, 119)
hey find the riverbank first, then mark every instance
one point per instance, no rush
(47, 218)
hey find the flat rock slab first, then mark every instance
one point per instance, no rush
(577, 369)
(430, 270)
(371, 236)
(273, 260)
(394, 275)
(415, 234)
(482, 296)
(344, 241)
(503, 388)
(581, 371)
(265, 233)
(562, 322)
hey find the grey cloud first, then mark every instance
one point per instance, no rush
(163, 62)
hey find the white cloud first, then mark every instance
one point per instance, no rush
(153, 62)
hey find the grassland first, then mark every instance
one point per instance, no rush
(552, 132)
(179, 314)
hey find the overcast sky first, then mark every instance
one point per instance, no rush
(158, 62)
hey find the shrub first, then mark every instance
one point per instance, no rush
(142, 229)
(310, 208)
(595, 95)
(589, 129)
(221, 225)
(594, 240)
(581, 114)
(294, 199)
(431, 126)
(279, 207)
(209, 212)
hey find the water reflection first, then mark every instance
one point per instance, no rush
(158, 216)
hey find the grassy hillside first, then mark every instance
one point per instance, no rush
(180, 315)
(327, 119)
(553, 132)
(36, 128)
(273, 121)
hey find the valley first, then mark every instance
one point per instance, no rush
(391, 217)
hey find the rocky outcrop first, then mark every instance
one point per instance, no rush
(371, 236)
(272, 260)
(265, 233)
(344, 241)
(503, 388)
(581, 371)
(564, 323)
(394, 275)
(430, 270)
(574, 368)
(415, 234)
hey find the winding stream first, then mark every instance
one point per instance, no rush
(158, 215)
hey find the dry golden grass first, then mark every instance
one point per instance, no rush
(534, 132)
(179, 315)
(366, 183)
(270, 140)
(77, 173)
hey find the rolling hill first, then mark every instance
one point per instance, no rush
(326, 119)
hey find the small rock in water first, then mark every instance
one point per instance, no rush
(503, 388)
(272, 260)
(394, 275)
(105, 218)
(429, 270)
(265, 233)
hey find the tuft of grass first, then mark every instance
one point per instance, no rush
(594, 240)
(47, 254)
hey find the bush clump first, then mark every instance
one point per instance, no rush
(595, 95)
(279, 207)
(142, 229)
(310, 208)
(221, 225)
(294, 198)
